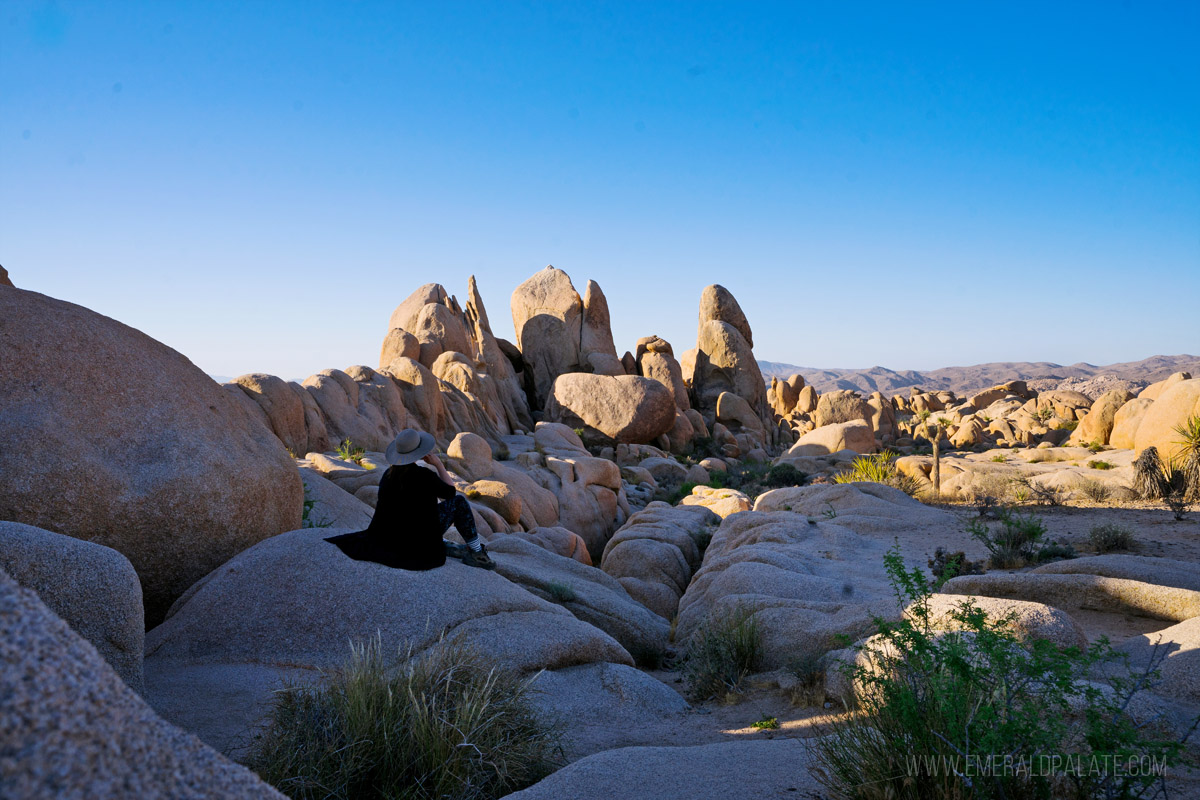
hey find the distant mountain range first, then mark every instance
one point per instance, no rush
(968, 380)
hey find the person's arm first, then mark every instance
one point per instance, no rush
(435, 462)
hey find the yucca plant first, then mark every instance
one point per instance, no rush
(1189, 454)
(879, 468)
(1148, 478)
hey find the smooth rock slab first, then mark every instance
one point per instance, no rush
(774, 768)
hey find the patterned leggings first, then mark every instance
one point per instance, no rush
(457, 512)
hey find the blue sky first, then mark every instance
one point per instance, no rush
(908, 184)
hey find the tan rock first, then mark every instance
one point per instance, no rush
(398, 343)
(1178, 402)
(736, 414)
(661, 366)
(178, 477)
(721, 502)
(282, 407)
(855, 435)
(1155, 390)
(1126, 422)
(841, 406)
(548, 319)
(498, 497)
(559, 541)
(1097, 425)
(718, 303)
(625, 409)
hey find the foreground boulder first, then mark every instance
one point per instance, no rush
(626, 409)
(297, 599)
(1178, 402)
(93, 588)
(756, 769)
(115, 438)
(70, 727)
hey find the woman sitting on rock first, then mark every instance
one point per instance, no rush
(406, 530)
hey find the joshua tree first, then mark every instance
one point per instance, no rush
(933, 431)
(1189, 433)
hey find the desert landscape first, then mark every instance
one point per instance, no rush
(692, 560)
(599, 400)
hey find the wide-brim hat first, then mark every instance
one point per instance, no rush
(409, 447)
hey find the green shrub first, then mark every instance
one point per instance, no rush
(1100, 464)
(1068, 425)
(784, 475)
(559, 592)
(946, 565)
(957, 714)
(1096, 491)
(999, 458)
(306, 518)
(766, 723)
(726, 649)
(1111, 537)
(1095, 447)
(809, 673)
(440, 725)
(1015, 542)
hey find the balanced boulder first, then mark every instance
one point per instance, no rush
(627, 409)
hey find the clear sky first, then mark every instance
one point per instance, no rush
(915, 185)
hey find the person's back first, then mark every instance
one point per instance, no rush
(406, 529)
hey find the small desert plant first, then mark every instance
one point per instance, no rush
(999, 458)
(946, 565)
(879, 468)
(1043, 414)
(559, 592)
(1028, 490)
(1014, 542)
(443, 724)
(719, 656)
(766, 724)
(939, 712)
(1111, 537)
(1068, 425)
(1100, 464)
(1095, 447)
(306, 513)
(578, 432)
(1095, 491)
(809, 689)
(348, 452)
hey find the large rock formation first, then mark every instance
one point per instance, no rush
(1097, 426)
(115, 438)
(70, 727)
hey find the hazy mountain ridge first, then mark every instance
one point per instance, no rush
(967, 380)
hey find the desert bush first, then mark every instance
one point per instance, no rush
(784, 475)
(999, 458)
(1149, 478)
(1094, 447)
(935, 707)
(1095, 490)
(1014, 542)
(879, 468)
(766, 723)
(946, 565)
(809, 689)
(988, 490)
(1067, 425)
(719, 656)
(1026, 489)
(1100, 464)
(347, 451)
(559, 592)
(1111, 537)
(443, 724)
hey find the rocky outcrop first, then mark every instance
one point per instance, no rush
(627, 408)
(841, 406)
(723, 360)
(656, 552)
(92, 588)
(1178, 402)
(154, 460)
(854, 436)
(70, 727)
(1126, 422)
(1097, 425)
